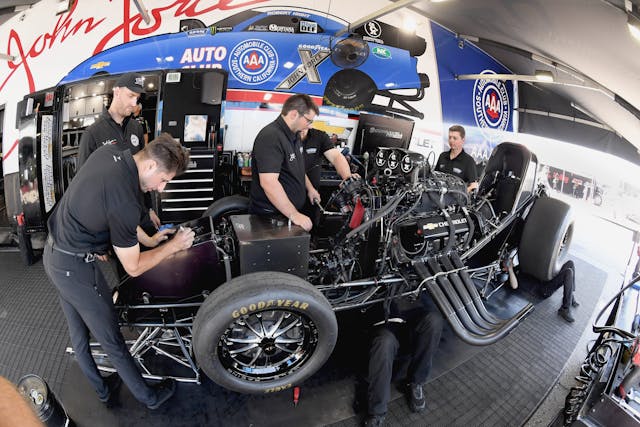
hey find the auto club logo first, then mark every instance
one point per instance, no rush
(253, 61)
(491, 106)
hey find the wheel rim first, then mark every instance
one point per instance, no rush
(267, 345)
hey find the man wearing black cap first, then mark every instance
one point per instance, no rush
(117, 127)
(114, 126)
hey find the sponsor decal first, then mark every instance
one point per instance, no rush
(99, 65)
(268, 304)
(135, 141)
(253, 61)
(48, 99)
(381, 52)
(373, 30)
(388, 133)
(110, 142)
(258, 28)
(213, 29)
(312, 150)
(278, 388)
(308, 27)
(46, 161)
(198, 32)
(292, 157)
(203, 55)
(490, 105)
(281, 29)
(434, 225)
(288, 13)
(308, 68)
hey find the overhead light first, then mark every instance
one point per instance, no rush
(410, 25)
(5, 57)
(633, 22)
(544, 76)
(541, 76)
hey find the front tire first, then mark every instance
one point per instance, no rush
(263, 332)
(546, 238)
(350, 89)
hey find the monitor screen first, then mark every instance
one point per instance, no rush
(380, 131)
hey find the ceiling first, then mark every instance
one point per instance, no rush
(594, 57)
(588, 38)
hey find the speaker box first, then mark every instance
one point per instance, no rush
(212, 88)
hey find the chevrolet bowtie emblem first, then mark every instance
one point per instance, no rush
(99, 65)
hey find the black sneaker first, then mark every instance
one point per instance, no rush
(164, 391)
(565, 313)
(374, 421)
(112, 382)
(417, 402)
(575, 303)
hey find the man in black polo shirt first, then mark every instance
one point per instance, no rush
(456, 161)
(117, 127)
(279, 183)
(316, 144)
(101, 208)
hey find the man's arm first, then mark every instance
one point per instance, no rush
(339, 162)
(135, 262)
(311, 190)
(278, 198)
(14, 409)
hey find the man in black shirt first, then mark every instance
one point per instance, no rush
(316, 144)
(279, 183)
(101, 208)
(456, 161)
(116, 127)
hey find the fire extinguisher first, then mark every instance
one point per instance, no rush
(24, 242)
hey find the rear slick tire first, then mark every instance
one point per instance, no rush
(546, 238)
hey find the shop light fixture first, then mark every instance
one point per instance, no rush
(541, 76)
(143, 11)
(633, 22)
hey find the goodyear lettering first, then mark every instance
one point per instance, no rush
(278, 388)
(263, 305)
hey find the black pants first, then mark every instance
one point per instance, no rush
(566, 279)
(86, 302)
(415, 341)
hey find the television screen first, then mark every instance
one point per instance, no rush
(380, 131)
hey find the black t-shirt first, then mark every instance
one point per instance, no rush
(316, 144)
(101, 206)
(144, 123)
(463, 166)
(105, 131)
(277, 150)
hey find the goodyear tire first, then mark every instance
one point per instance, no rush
(231, 205)
(546, 238)
(350, 89)
(263, 332)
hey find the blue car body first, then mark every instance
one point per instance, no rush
(282, 50)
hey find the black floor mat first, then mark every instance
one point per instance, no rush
(496, 385)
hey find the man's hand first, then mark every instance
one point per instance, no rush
(154, 219)
(160, 237)
(313, 195)
(472, 186)
(302, 220)
(183, 239)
